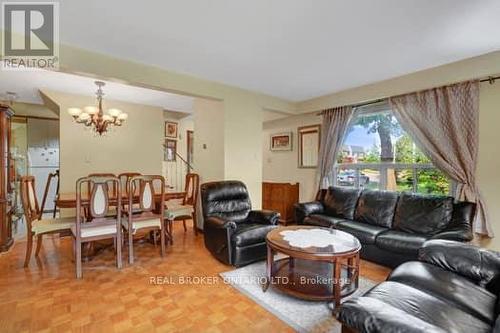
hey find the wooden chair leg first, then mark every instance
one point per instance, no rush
(29, 247)
(118, 241)
(171, 228)
(162, 238)
(195, 225)
(184, 224)
(38, 244)
(130, 247)
(78, 259)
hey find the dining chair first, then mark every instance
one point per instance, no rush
(186, 209)
(36, 225)
(124, 182)
(149, 216)
(102, 223)
(47, 188)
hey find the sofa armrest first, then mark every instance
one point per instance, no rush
(455, 234)
(479, 265)
(264, 217)
(460, 226)
(303, 210)
(214, 222)
(217, 234)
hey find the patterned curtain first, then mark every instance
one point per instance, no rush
(333, 130)
(444, 123)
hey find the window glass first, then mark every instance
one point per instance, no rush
(377, 153)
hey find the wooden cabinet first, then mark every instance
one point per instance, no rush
(281, 197)
(5, 180)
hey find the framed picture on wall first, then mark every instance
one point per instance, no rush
(170, 129)
(170, 150)
(281, 141)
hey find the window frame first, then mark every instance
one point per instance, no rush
(382, 167)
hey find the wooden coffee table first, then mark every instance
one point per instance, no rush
(316, 263)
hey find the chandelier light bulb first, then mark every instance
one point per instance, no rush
(114, 112)
(84, 117)
(107, 117)
(122, 116)
(75, 112)
(91, 109)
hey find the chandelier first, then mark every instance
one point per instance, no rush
(94, 118)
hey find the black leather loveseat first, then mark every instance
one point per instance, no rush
(233, 232)
(454, 287)
(391, 226)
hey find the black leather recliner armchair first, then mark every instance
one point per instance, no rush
(233, 232)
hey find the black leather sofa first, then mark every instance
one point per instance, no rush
(454, 287)
(233, 232)
(391, 226)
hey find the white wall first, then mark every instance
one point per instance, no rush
(136, 146)
(282, 166)
(208, 143)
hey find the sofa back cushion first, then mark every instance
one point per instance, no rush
(341, 202)
(376, 208)
(422, 214)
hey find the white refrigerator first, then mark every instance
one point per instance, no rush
(41, 162)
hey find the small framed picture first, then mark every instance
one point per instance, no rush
(170, 129)
(170, 150)
(281, 141)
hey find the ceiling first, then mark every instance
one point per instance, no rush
(26, 85)
(294, 49)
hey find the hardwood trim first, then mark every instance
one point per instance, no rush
(6, 171)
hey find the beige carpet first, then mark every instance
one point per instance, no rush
(301, 315)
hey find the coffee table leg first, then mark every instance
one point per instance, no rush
(336, 285)
(269, 268)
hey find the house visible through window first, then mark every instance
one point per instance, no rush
(377, 153)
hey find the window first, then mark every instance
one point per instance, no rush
(378, 154)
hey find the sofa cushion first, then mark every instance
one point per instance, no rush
(401, 242)
(422, 214)
(341, 202)
(366, 233)
(367, 314)
(456, 289)
(249, 233)
(322, 220)
(376, 207)
(429, 308)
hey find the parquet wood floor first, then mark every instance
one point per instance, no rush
(46, 297)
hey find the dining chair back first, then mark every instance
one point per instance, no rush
(125, 181)
(51, 175)
(103, 223)
(192, 189)
(35, 224)
(149, 214)
(111, 189)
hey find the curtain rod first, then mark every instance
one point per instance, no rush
(490, 79)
